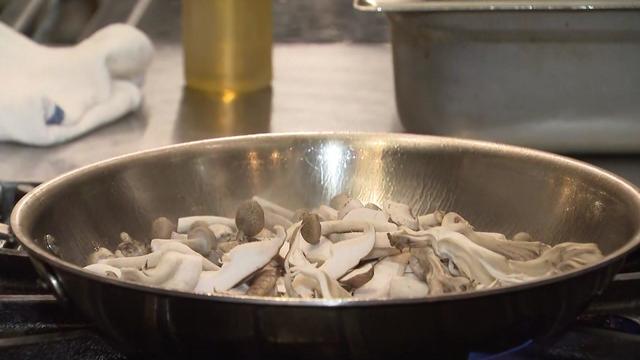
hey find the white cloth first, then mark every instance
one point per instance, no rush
(50, 95)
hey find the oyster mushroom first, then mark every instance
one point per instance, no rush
(427, 265)
(400, 214)
(273, 207)
(512, 249)
(358, 276)
(101, 253)
(250, 218)
(430, 220)
(383, 273)
(366, 215)
(104, 270)
(161, 228)
(175, 271)
(311, 229)
(264, 282)
(184, 223)
(405, 287)
(243, 260)
(348, 253)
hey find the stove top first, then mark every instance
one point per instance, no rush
(34, 326)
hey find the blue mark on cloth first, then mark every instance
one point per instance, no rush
(57, 117)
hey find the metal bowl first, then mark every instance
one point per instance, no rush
(496, 187)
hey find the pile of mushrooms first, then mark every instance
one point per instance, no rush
(346, 249)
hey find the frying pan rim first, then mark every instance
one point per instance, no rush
(37, 252)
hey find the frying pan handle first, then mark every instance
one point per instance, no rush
(51, 279)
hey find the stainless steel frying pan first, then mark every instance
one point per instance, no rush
(498, 188)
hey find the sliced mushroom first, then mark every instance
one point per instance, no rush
(205, 282)
(405, 287)
(348, 253)
(273, 207)
(324, 284)
(383, 272)
(264, 282)
(246, 258)
(184, 223)
(161, 228)
(430, 220)
(250, 218)
(104, 270)
(342, 226)
(401, 215)
(358, 276)
(378, 253)
(382, 239)
(366, 215)
(318, 253)
(176, 271)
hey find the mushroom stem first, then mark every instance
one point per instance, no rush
(342, 226)
(264, 282)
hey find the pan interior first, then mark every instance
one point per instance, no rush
(501, 189)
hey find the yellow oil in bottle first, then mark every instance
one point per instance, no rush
(227, 44)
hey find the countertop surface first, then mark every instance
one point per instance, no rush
(332, 72)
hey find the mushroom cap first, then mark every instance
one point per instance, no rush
(161, 228)
(250, 218)
(311, 229)
(358, 276)
(339, 201)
